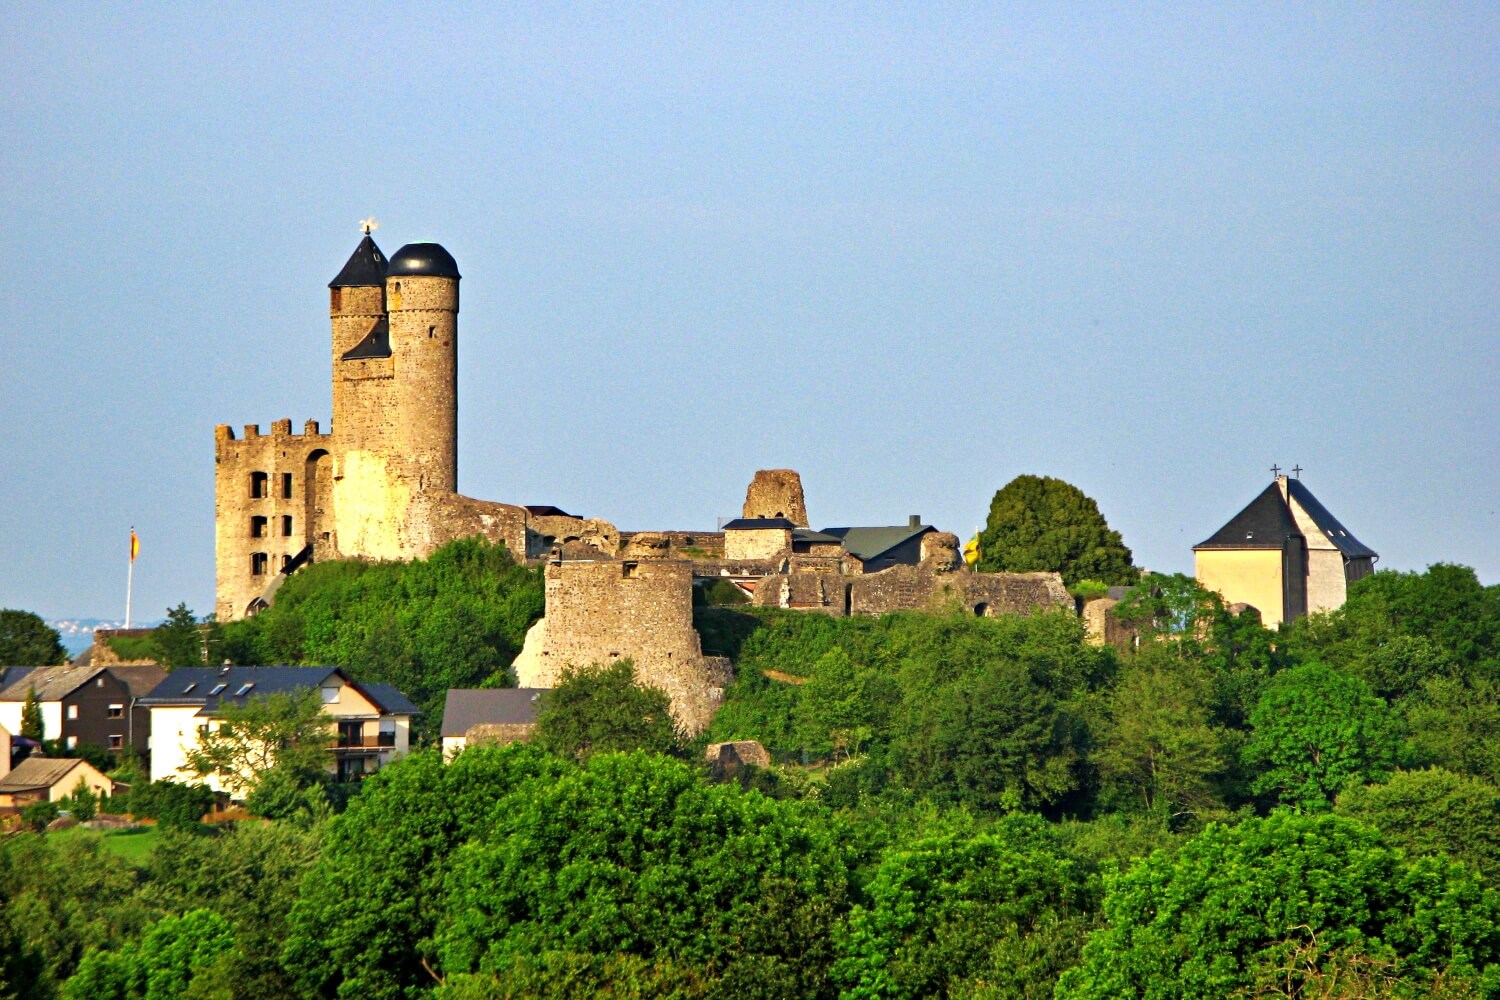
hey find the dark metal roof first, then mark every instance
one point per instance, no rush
(365, 267)
(423, 260)
(376, 343)
(756, 523)
(546, 510)
(808, 535)
(1265, 523)
(139, 679)
(1345, 542)
(872, 543)
(466, 707)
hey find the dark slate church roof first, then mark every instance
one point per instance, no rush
(424, 260)
(1265, 523)
(1327, 523)
(366, 267)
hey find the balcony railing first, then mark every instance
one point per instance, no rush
(379, 741)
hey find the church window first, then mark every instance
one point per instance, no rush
(258, 562)
(260, 485)
(286, 526)
(286, 486)
(257, 527)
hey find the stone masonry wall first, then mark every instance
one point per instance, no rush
(757, 543)
(600, 612)
(271, 497)
(776, 493)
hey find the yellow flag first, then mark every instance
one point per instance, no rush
(135, 545)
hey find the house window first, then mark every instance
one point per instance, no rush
(72, 742)
(286, 486)
(258, 562)
(260, 487)
(330, 696)
(286, 526)
(257, 527)
(72, 711)
(244, 689)
(117, 711)
(116, 742)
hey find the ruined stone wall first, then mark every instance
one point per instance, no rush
(1103, 627)
(776, 493)
(806, 590)
(924, 587)
(271, 498)
(688, 544)
(607, 610)
(439, 518)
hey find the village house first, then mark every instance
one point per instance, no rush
(369, 725)
(83, 705)
(48, 779)
(488, 715)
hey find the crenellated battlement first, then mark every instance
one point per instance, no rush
(281, 431)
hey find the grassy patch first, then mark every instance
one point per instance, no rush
(132, 845)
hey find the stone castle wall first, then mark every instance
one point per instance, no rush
(776, 493)
(603, 611)
(271, 499)
(757, 543)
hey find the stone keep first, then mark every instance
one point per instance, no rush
(382, 484)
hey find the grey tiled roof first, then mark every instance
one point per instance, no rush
(1327, 523)
(871, 543)
(51, 683)
(390, 698)
(37, 772)
(466, 707)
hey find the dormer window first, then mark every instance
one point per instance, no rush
(189, 688)
(244, 689)
(217, 689)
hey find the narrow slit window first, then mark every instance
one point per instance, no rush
(258, 563)
(286, 486)
(286, 526)
(260, 485)
(257, 527)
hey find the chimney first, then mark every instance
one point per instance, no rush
(914, 521)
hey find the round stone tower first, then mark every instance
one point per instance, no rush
(421, 299)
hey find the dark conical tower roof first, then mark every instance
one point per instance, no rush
(366, 267)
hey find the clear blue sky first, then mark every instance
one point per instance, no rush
(912, 251)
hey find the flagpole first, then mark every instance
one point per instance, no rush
(130, 577)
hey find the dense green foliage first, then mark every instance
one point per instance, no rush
(962, 807)
(1233, 905)
(28, 641)
(32, 725)
(455, 620)
(279, 740)
(1040, 523)
(595, 710)
(178, 641)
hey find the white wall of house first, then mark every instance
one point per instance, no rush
(10, 717)
(174, 734)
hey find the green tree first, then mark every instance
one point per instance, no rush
(287, 733)
(635, 853)
(250, 876)
(83, 804)
(32, 725)
(178, 642)
(1314, 732)
(26, 640)
(1158, 747)
(599, 709)
(165, 965)
(1234, 904)
(1433, 811)
(1456, 725)
(363, 922)
(172, 804)
(998, 915)
(1040, 523)
(844, 704)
